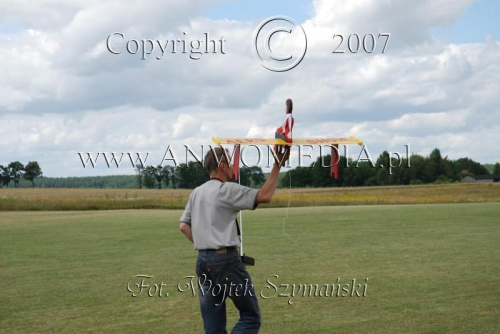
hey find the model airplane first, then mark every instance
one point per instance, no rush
(296, 141)
(333, 142)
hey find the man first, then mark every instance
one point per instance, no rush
(209, 221)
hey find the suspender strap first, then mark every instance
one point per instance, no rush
(237, 227)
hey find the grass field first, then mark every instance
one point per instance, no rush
(430, 268)
(108, 199)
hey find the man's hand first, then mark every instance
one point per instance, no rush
(283, 154)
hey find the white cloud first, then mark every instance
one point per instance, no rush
(408, 21)
(185, 126)
(63, 92)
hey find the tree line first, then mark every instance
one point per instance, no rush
(189, 176)
(419, 170)
(16, 171)
(99, 182)
(431, 169)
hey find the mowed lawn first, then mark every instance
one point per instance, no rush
(431, 268)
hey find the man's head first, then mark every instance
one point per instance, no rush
(289, 106)
(218, 164)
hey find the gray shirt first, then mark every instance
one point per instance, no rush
(211, 211)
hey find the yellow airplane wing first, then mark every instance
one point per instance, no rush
(296, 141)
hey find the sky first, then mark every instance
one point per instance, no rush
(63, 92)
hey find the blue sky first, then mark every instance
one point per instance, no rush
(480, 19)
(299, 10)
(11, 28)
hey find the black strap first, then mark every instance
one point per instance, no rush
(237, 227)
(216, 178)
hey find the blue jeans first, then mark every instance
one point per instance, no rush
(221, 276)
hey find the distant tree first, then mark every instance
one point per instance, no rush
(31, 171)
(433, 166)
(360, 174)
(301, 177)
(191, 175)
(174, 176)
(149, 177)
(164, 175)
(496, 169)
(16, 171)
(381, 175)
(158, 175)
(402, 174)
(252, 176)
(5, 176)
(183, 173)
(199, 174)
(257, 176)
(417, 169)
(320, 170)
(475, 168)
(245, 176)
(139, 169)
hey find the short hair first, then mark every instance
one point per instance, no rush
(214, 157)
(289, 106)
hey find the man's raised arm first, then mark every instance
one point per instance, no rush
(267, 191)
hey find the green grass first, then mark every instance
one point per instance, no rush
(431, 269)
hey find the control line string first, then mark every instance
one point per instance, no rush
(288, 210)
